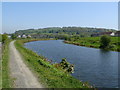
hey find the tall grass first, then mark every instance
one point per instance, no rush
(0, 67)
(47, 74)
(6, 80)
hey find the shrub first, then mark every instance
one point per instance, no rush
(4, 38)
(105, 41)
(13, 36)
(67, 66)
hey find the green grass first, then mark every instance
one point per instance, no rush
(0, 38)
(6, 79)
(47, 74)
(0, 70)
(94, 42)
(0, 65)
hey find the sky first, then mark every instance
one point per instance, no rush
(0, 17)
(60, 0)
(27, 15)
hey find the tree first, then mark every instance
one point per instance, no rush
(105, 41)
(4, 38)
(13, 36)
(0, 38)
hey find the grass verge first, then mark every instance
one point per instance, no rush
(0, 67)
(6, 80)
(50, 76)
(94, 42)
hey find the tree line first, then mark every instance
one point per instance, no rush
(81, 31)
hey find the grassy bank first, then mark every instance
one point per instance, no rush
(47, 74)
(0, 38)
(94, 42)
(6, 79)
(0, 68)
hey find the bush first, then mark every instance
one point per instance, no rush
(67, 66)
(13, 36)
(4, 38)
(105, 41)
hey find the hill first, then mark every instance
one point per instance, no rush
(81, 31)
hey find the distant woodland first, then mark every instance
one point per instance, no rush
(54, 31)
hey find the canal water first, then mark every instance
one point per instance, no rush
(98, 67)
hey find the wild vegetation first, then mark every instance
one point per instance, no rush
(49, 74)
(95, 42)
(74, 35)
(54, 31)
(4, 37)
(13, 36)
(0, 64)
(105, 42)
(0, 73)
(55, 75)
(6, 79)
(0, 38)
(65, 66)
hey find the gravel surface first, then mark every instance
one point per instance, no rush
(23, 77)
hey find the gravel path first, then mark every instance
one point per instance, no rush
(20, 72)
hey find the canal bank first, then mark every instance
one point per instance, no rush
(49, 75)
(96, 66)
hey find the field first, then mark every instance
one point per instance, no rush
(47, 73)
(94, 42)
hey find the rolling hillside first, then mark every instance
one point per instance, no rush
(82, 31)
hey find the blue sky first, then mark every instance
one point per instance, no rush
(25, 15)
(0, 17)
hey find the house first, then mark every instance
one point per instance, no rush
(19, 36)
(24, 36)
(28, 36)
(112, 34)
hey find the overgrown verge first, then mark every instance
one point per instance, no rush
(6, 79)
(50, 76)
(0, 66)
(94, 42)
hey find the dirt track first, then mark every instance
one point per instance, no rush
(23, 77)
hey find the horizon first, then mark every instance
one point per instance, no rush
(66, 26)
(26, 15)
(60, 27)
